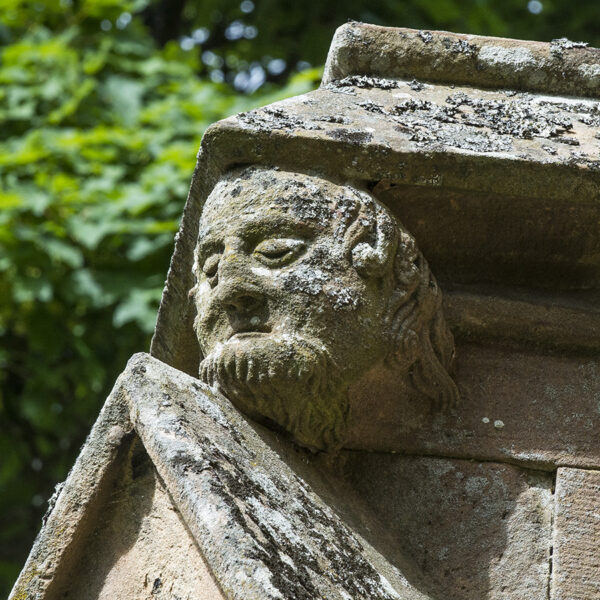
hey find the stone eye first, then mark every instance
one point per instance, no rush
(278, 252)
(211, 266)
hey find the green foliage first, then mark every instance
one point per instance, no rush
(100, 132)
(235, 35)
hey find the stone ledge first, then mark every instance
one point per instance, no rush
(559, 67)
(521, 407)
(550, 322)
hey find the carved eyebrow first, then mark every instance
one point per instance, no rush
(259, 227)
(208, 245)
(279, 226)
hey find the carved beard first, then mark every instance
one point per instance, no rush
(285, 379)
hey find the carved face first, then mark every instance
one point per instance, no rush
(283, 318)
(292, 297)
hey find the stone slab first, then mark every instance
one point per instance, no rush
(557, 322)
(140, 547)
(560, 67)
(471, 530)
(261, 530)
(515, 406)
(576, 560)
(428, 135)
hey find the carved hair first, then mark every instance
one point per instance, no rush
(422, 342)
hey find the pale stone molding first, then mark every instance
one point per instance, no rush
(260, 528)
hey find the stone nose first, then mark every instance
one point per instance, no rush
(239, 291)
(241, 300)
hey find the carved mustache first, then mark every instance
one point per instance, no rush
(263, 359)
(285, 379)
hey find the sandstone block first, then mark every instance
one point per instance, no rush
(576, 571)
(467, 530)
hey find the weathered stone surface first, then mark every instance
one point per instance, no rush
(576, 572)
(449, 527)
(76, 504)
(140, 547)
(465, 140)
(264, 533)
(563, 66)
(516, 406)
(435, 136)
(554, 321)
(472, 530)
(260, 528)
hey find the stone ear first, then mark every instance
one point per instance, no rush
(371, 258)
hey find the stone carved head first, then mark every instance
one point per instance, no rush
(306, 288)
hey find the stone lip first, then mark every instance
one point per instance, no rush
(558, 67)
